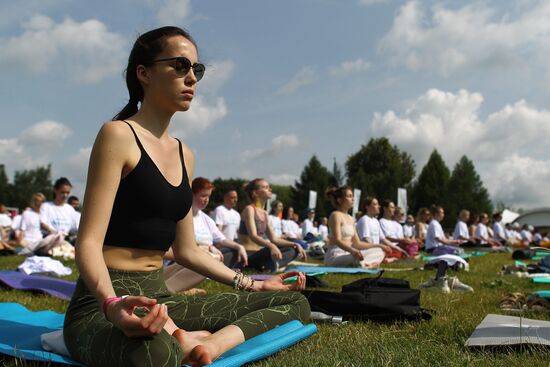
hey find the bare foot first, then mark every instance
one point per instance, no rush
(199, 356)
(188, 340)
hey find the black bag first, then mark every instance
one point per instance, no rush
(377, 299)
(523, 254)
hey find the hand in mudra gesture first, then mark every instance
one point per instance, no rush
(276, 283)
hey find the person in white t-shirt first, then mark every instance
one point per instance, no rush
(498, 229)
(393, 231)
(436, 241)
(275, 218)
(323, 229)
(209, 238)
(291, 229)
(482, 234)
(526, 235)
(409, 227)
(29, 227)
(461, 232)
(307, 224)
(5, 223)
(226, 217)
(369, 230)
(57, 216)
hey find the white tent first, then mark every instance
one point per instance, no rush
(509, 216)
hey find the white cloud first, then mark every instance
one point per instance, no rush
(173, 12)
(76, 166)
(278, 143)
(200, 116)
(474, 35)
(451, 123)
(34, 145)
(349, 67)
(216, 75)
(86, 50)
(305, 76)
(282, 179)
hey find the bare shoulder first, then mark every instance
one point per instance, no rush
(115, 131)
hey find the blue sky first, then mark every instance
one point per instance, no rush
(289, 79)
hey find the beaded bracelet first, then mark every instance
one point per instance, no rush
(243, 283)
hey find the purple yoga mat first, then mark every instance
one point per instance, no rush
(260, 276)
(55, 287)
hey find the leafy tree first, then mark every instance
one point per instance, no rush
(466, 190)
(431, 186)
(337, 173)
(314, 177)
(28, 182)
(379, 169)
(284, 193)
(4, 185)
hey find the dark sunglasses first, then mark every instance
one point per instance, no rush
(182, 65)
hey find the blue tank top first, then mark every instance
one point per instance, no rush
(147, 207)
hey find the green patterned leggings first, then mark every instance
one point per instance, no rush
(95, 341)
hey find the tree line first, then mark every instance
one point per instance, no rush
(378, 169)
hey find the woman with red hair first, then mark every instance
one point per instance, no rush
(208, 238)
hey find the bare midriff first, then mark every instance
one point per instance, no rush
(132, 259)
(248, 244)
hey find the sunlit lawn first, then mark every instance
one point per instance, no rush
(439, 342)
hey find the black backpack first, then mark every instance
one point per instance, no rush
(377, 299)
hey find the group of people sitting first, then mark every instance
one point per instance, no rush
(43, 227)
(256, 239)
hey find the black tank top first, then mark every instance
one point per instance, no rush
(147, 207)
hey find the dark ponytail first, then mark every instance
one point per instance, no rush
(145, 50)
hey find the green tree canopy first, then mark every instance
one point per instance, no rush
(28, 182)
(431, 187)
(4, 185)
(379, 169)
(314, 177)
(466, 190)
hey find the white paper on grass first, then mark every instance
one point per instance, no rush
(509, 330)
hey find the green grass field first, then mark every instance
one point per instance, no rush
(439, 342)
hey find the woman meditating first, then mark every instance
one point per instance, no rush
(344, 247)
(266, 251)
(137, 205)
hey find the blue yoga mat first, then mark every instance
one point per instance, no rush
(330, 269)
(20, 331)
(543, 293)
(55, 287)
(544, 280)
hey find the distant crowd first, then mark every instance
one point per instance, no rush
(256, 239)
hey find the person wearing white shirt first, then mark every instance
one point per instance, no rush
(526, 235)
(307, 224)
(226, 217)
(461, 232)
(323, 229)
(368, 228)
(436, 241)
(393, 230)
(209, 238)
(5, 223)
(409, 227)
(275, 217)
(29, 227)
(482, 234)
(291, 229)
(57, 216)
(498, 229)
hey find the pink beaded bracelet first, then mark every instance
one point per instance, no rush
(107, 301)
